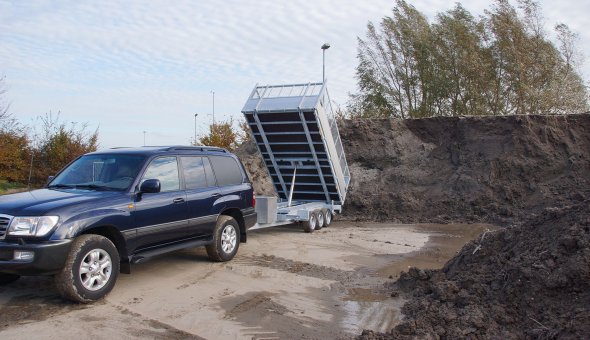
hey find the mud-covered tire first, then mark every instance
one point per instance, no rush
(8, 278)
(327, 217)
(320, 218)
(90, 271)
(226, 240)
(310, 225)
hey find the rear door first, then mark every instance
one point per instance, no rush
(202, 194)
(162, 217)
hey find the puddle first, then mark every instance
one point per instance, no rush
(445, 240)
(376, 309)
(366, 308)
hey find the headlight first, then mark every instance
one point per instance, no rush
(32, 226)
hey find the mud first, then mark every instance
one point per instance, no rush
(284, 284)
(528, 173)
(530, 281)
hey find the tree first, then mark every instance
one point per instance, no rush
(221, 135)
(59, 144)
(14, 144)
(500, 63)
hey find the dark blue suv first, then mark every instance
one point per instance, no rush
(109, 209)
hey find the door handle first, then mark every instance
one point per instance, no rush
(178, 200)
(216, 195)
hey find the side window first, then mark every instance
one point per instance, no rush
(194, 172)
(166, 170)
(227, 170)
(209, 172)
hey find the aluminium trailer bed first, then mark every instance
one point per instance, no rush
(296, 133)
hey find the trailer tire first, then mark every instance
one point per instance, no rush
(327, 217)
(320, 217)
(310, 225)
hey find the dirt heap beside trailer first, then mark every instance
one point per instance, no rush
(530, 281)
(474, 169)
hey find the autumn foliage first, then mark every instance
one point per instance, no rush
(28, 155)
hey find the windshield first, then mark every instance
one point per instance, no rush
(100, 172)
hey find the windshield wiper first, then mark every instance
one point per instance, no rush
(62, 186)
(92, 187)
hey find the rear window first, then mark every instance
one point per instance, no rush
(227, 171)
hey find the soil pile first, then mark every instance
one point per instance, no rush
(473, 169)
(254, 164)
(531, 281)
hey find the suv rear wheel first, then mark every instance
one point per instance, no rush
(91, 269)
(226, 239)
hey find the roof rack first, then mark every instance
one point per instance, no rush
(199, 148)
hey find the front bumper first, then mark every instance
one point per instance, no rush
(49, 258)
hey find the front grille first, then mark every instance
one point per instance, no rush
(4, 222)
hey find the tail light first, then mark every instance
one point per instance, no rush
(253, 199)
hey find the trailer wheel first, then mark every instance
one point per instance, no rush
(321, 220)
(310, 225)
(327, 217)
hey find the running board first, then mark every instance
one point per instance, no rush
(147, 254)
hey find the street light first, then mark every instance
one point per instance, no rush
(325, 46)
(213, 92)
(195, 142)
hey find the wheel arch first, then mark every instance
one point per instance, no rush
(237, 215)
(115, 236)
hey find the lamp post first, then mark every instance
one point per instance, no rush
(195, 141)
(213, 92)
(325, 46)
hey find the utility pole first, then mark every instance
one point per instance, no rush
(325, 46)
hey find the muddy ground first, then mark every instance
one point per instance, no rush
(530, 174)
(283, 284)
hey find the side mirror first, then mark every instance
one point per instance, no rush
(150, 186)
(49, 179)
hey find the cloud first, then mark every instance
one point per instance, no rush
(142, 65)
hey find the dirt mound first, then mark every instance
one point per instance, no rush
(474, 169)
(255, 168)
(531, 281)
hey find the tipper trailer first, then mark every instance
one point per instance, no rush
(295, 130)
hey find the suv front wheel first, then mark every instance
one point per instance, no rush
(91, 269)
(226, 239)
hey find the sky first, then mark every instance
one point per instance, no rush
(131, 66)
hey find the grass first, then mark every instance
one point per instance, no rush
(9, 188)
